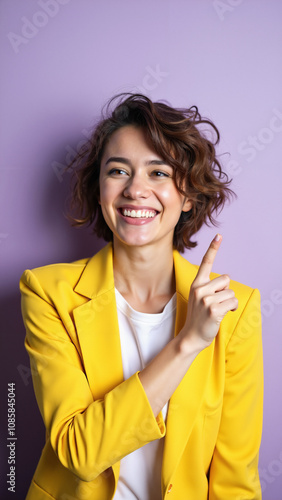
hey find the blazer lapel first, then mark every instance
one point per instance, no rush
(97, 325)
(186, 400)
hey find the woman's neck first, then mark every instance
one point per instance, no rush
(145, 278)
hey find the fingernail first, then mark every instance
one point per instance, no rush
(217, 237)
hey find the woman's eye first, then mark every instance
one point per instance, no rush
(160, 173)
(117, 171)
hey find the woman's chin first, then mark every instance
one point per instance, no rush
(132, 242)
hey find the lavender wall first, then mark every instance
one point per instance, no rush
(62, 59)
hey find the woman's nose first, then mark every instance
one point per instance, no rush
(136, 187)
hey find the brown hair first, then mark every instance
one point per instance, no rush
(176, 136)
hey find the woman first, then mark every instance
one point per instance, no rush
(143, 392)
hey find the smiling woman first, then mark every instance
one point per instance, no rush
(177, 145)
(144, 375)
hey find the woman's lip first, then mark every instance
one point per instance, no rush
(137, 221)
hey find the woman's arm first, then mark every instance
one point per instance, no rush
(88, 436)
(209, 301)
(234, 467)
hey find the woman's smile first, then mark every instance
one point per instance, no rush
(137, 215)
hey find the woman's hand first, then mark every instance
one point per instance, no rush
(209, 301)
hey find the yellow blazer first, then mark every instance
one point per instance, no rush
(94, 418)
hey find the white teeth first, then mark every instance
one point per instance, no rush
(138, 213)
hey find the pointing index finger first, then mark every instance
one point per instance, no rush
(208, 260)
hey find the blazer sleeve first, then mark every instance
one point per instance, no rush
(88, 436)
(234, 467)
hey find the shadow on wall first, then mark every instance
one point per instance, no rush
(66, 244)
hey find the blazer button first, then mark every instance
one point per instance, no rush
(169, 488)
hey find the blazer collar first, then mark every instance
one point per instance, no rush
(97, 276)
(97, 322)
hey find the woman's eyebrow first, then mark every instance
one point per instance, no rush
(118, 159)
(157, 162)
(126, 161)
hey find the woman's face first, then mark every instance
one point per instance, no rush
(139, 199)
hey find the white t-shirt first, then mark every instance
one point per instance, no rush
(142, 336)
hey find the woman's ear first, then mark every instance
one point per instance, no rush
(187, 205)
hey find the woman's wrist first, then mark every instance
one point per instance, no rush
(189, 344)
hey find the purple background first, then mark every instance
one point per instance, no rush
(62, 60)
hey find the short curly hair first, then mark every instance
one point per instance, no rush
(176, 136)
